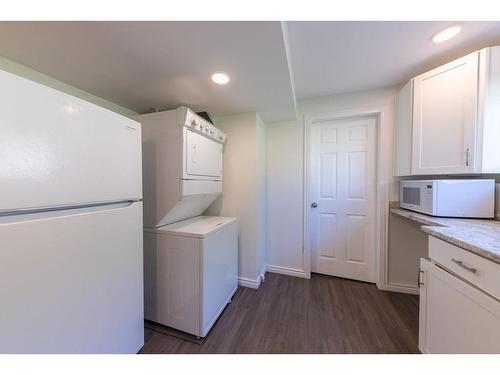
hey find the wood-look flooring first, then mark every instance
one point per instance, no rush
(292, 315)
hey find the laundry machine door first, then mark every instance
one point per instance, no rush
(202, 157)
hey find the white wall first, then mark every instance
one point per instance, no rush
(23, 71)
(243, 193)
(285, 172)
(261, 135)
(284, 196)
(407, 244)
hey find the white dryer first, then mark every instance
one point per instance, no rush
(181, 165)
(191, 270)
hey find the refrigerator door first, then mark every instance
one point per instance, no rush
(72, 281)
(58, 150)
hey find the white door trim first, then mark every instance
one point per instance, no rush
(383, 177)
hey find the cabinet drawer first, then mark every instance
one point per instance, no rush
(454, 316)
(479, 271)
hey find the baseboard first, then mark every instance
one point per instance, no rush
(400, 288)
(263, 274)
(253, 283)
(287, 271)
(249, 283)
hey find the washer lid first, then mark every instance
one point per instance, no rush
(197, 227)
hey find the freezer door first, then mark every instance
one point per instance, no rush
(58, 150)
(72, 282)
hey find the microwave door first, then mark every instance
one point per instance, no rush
(417, 196)
(411, 196)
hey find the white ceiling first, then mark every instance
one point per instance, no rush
(144, 65)
(338, 57)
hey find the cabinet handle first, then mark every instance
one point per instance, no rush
(467, 154)
(461, 264)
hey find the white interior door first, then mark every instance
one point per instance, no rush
(343, 177)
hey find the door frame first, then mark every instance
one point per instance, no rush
(383, 175)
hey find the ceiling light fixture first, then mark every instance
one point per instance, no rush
(446, 34)
(220, 78)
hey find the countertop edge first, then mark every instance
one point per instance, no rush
(414, 216)
(433, 228)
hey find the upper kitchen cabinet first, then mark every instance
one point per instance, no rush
(448, 119)
(444, 118)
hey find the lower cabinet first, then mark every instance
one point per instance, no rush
(455, 316)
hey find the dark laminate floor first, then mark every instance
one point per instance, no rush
(292, 315)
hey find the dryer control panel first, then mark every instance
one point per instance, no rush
(200, 125)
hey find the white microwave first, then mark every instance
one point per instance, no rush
(449, 198)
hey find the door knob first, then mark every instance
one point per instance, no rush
(314, 205)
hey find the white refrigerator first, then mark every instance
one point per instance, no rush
(71, 260)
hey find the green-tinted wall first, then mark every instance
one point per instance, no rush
(23, 71)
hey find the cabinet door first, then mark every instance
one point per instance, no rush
(172, 281)
(455, 317)
(403, 130)
(444, 118)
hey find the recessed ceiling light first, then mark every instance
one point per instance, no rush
(220, 78)
(446, 34)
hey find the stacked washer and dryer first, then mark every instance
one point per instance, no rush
(190, 261)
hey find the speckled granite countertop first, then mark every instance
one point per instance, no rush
(478, 236)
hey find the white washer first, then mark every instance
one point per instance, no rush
(191, 272)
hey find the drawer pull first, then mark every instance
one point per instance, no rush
(461, 264)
